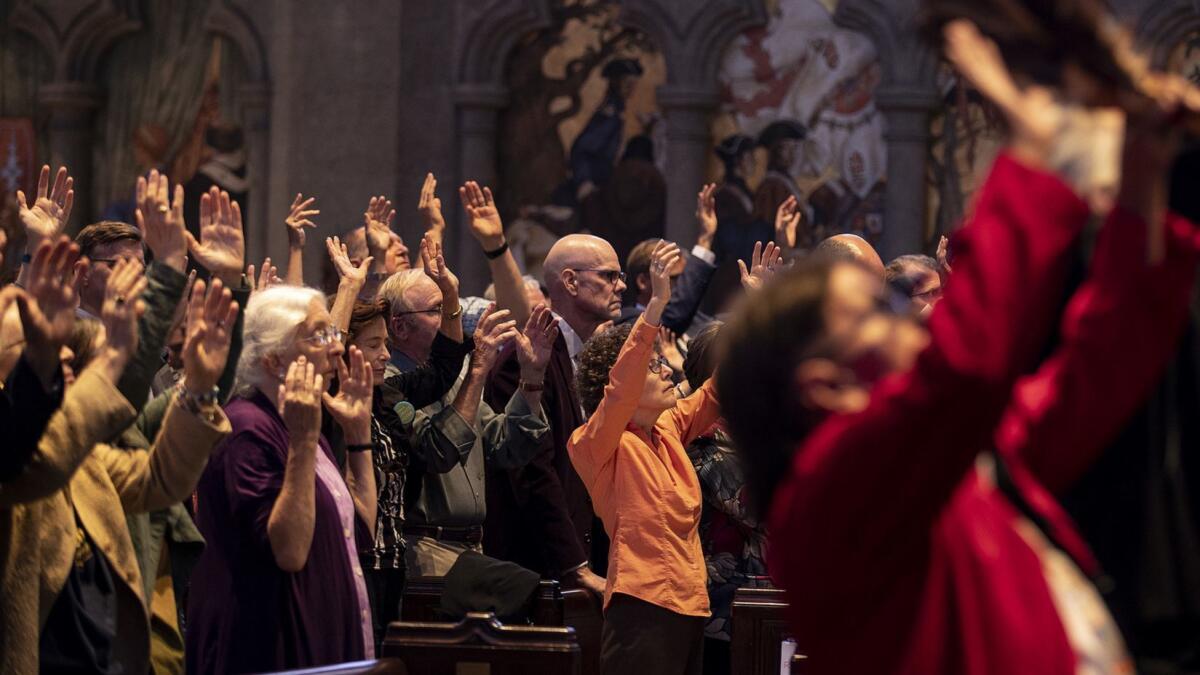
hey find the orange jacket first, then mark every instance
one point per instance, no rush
(644, 487)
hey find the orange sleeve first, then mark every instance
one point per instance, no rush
(693, 415)
(595, 443)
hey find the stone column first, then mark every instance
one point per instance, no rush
(71, 108)
(261, 238)
(907, 109)
(478, 106)
(688, 111)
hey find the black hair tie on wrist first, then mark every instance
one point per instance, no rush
(492, 255)
(359, 447)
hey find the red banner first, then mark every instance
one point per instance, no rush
(17, 169)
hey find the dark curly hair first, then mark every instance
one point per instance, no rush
(597, 358)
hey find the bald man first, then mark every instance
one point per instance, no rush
(851, 247)
(541, 516)
(396, 258)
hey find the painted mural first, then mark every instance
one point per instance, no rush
(803, 68)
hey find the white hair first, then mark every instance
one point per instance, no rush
(269, 327)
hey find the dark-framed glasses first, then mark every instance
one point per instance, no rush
(436, 309)
(658, 364)
(610, 276)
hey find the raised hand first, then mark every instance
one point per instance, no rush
(436, 269)
(122, 306)
(787, 221)
(663, 259)
(535, 343)
(764, 262)
(340, 256)
(48, 309)
(430, 207)
(161, 220)
(222, 245)
(209, 326)
(668, 346)
(706, 215)
(298, 219)
(299, 403)
(1032, 113)
(377, 221)
(492, 332)
(47, 216)
(351, 408)
(479, 206)
(268, 276)
(943, 252)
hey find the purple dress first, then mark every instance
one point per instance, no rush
(245, 614)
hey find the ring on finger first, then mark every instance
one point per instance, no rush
(162, 208)
(120, 299)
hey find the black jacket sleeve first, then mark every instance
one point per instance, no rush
(431, 381)
(25, 409)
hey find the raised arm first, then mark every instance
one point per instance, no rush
(377, 227)
(436, 268)
(488, 230)
(595, 443)
(221, 248)
(161, 221)
(46, 217)
(351, 409)
(1117, 334)
(293, 515)
(298, 218)
(989, 327)
(430, 207)
(92, 410)
(351, 281)
(194, 422)
(692, 284)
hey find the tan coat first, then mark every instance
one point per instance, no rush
(74, 475)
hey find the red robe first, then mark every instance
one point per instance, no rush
(896, 556)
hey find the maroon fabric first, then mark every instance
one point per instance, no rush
(896, 556)
(244, 613)
(540, 516)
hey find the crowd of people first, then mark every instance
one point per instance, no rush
(209, 467)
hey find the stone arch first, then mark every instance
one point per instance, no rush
(1164, 25)
(76, 36)
(491, 34)
(233, 24)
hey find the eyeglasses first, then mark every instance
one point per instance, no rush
(658, 364)
(113, 261)
(326, 337)
(611, 276)
(436, 309)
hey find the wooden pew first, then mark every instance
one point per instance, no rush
(758, 631)
(481, 645)
(553, 606)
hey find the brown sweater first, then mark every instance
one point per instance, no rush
(74, 475)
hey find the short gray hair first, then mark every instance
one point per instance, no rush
(395, 289)
(272, 316)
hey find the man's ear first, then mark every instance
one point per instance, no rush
(826, 386)
(570, 282)
(81, 274)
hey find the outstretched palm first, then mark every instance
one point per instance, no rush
(352, 405)
(481, 208)
(222, 245)
(535, 343)
(210, 318)
(339, 255)
(51, 208)
(378, 222)
(50, 318)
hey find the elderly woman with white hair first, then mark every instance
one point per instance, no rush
(279, 585)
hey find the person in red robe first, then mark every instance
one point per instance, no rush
(915, 526)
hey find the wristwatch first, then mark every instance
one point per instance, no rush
(533, 387)
(203, 405)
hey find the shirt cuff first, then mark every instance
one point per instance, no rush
(704, 254)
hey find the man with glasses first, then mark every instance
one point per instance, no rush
(917, 277)
(104, 244)
(541, 517)
(454, 440)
